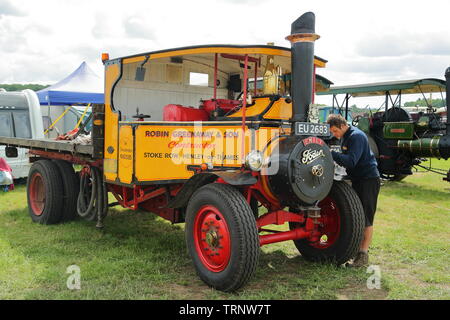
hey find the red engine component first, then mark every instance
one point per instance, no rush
(224, 104)
(176, 112)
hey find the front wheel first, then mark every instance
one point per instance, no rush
(341, 227)
(222, 237)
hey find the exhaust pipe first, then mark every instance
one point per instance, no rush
(302, 40)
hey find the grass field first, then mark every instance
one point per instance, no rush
(141, 256)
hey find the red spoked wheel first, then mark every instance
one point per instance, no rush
(212, 238)
(221, 236)
(329, 224)
(341, 226)
(37, 194)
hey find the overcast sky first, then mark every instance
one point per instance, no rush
(364, 41)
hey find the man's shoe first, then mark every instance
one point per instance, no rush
(361, 260)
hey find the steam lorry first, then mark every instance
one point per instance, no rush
(228, 167)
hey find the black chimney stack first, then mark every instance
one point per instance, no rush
(302, 52)
(447, 85)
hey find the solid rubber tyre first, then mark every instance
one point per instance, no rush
(346, 224)
(237, 231)
(45, 193)
(71, 188)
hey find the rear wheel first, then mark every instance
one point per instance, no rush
(44, 192)
(71, 188)
(341, 227)
(222, 237)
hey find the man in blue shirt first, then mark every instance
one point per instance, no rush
(361, 166)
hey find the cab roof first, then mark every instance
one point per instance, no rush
(201, 50)
(393, 87)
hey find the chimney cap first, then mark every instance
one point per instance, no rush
(304, 24)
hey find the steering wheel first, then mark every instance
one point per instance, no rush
(356, 120)
(140, 116)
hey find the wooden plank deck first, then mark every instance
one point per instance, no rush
(49, 145)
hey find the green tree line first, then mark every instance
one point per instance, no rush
(437, 103)
(20, 87)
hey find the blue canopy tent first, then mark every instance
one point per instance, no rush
(81, 86)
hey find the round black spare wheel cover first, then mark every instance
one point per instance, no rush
(311, 170)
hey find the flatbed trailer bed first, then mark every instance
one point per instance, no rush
(47, 145)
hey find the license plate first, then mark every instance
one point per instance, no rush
(312, 129)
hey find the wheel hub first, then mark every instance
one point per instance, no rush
(212, 238)
(317, 170)
(37, 194)
(213, 241)
(329, 224)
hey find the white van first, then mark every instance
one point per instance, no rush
(20, 117)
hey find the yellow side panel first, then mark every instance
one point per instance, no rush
(112, 73)
(167, 152)
(126, 154)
